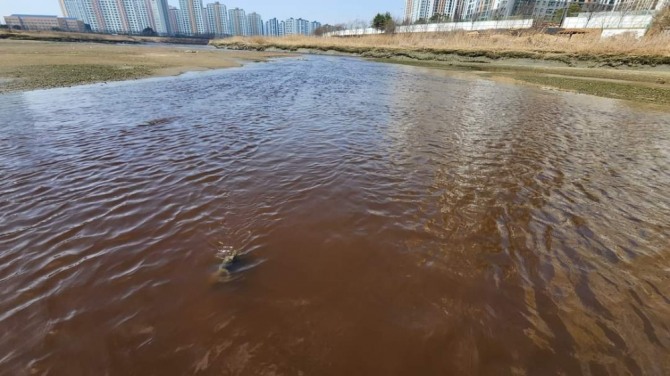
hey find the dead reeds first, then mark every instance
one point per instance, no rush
(589, 43)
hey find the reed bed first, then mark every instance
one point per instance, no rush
(508, 44)
(560, 62)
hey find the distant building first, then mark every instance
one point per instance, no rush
(192, 14)
(303, 26)
(217, 19)
(173, 16)
(290, 26)
(421, 9)
(120, 16)
(238, 22)
(255, 23)
(159, 17)
(183, 27)
(272, 27)
(636, 5)
(480, 10)
(313, 26)
(87, 11)
(409, 9)
(44, 23)
(191, 18)
(136, 16)
(299, 26)
(109, 17)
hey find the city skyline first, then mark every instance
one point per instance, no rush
(421, 11)
(326, 11)
(192, 18)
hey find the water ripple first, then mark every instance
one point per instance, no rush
(389, 220)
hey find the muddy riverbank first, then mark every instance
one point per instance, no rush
(27, 65)
(641, 74)
(56, 36)
(645, 84)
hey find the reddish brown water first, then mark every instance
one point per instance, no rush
(392, 220)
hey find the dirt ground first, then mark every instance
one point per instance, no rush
(26, 65)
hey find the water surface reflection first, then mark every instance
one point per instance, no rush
(393, 220)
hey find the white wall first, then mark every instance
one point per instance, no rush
(607, 20)
(442, 27)
(469, 26)
(608, 33)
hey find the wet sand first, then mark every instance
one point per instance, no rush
(27, 65)
(643, 85)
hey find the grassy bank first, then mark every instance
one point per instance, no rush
(26, 65)
(623, 68)
(54, 36)
(587, 49)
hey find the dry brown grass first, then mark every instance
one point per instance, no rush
(555, 61)
(661, 23)
(533, 42)
(57, 36)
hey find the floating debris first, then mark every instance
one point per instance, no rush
(229, 257)
(159, 121)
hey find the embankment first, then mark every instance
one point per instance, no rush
(54, 36)
(622, 68)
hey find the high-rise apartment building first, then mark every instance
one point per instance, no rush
(636, 5)
(238, 22)
(159, 17)
(136, 15)
(120, 16)
(192, 14)
(182, 26)
(113, 16)
(303, 26)
(313, 26)
(422, 9)
(173, 16)
(472, 10)
(191, 18)
(299, 26)
(217, 19)
(255, 22)
(81, 10)
(272, 27)
(290, 26)
(409, 8)
(449, 9)
(505, 8)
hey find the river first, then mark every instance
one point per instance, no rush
(390, 220)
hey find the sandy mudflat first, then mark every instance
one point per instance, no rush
(26, 65)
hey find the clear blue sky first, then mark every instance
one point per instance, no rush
(326, 11)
